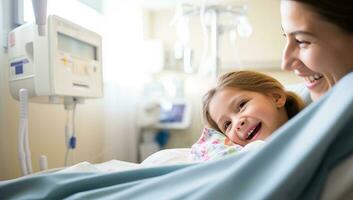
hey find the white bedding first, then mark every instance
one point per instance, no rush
(163, 157)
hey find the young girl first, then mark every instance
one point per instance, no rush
(245, 106)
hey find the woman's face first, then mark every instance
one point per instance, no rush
(316, 50)
(246, 116)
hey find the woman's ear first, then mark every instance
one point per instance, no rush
(279, 98)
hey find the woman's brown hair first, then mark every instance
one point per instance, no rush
(251, 81)
(338, 12)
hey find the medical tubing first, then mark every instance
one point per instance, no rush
(21, 132)
(67, 156)
(67, 133)
(72, 157)
(25, 132)
(73, 136)
(27, 149)
(21, 153)
(70, 132)
(67, 129)
(73, 119)
(24, 150)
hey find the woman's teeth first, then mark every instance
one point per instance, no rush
(313, 78)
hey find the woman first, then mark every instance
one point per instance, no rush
(320, 49)
(319, 41)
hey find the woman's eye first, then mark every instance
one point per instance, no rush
(302, 43)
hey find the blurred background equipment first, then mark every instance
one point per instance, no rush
(216, 19)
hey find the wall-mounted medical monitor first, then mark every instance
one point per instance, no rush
(65, 62)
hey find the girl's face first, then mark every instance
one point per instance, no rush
(316, 50)
(245, 116)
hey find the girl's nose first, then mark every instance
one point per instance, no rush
(240, 124)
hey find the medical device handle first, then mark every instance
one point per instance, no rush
(40, 12)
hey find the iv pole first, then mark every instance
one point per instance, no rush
(215, 37)
(215, 29)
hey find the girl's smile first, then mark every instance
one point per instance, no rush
(245, 116)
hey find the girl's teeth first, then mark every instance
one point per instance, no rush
(249, 133)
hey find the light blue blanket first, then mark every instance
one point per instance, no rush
(292, 165)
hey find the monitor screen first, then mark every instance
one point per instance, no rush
(76, 47)
(173, 114)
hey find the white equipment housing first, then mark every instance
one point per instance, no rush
(66, 62)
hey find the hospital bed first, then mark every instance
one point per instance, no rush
(295, 163)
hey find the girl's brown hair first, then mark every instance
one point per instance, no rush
(255, 82)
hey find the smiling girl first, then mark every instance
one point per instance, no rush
(246, 106)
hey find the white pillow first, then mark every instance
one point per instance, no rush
(168, 157)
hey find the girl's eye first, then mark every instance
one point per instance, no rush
(242, 104)
(226, 125)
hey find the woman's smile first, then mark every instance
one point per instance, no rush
(313, 80)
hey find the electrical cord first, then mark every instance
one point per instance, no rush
(70, 131)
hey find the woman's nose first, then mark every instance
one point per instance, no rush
(289, 59)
